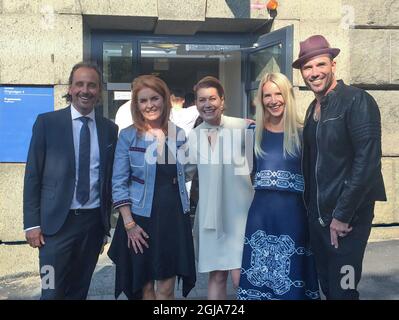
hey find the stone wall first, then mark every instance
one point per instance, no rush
(374, 64)
(186, 20)
(39, 49)
(11, 187)
(374, 56)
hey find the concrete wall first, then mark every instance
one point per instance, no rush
(180, 17)
(377, 49)
(39, 49)
(11, 186)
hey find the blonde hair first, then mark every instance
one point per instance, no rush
(292, 122)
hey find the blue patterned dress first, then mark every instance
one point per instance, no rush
(277, 262)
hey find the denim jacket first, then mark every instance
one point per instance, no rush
(134, 170)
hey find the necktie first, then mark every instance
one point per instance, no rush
(83, 187)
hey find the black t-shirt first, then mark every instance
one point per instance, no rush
(310, 142)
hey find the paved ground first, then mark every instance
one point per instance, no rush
(380, 278)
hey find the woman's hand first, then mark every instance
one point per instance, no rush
(135, 234)
(136, 238)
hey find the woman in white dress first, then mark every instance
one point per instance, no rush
(217, 146)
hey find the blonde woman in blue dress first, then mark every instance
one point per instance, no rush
(277, 261)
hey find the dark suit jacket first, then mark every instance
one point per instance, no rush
(50, 170)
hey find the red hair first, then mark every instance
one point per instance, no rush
(160, 87)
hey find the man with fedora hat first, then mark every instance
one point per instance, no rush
(341, 167)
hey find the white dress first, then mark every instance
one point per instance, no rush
(225, 194)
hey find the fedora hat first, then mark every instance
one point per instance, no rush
(312, 47)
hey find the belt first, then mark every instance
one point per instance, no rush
(78, 212)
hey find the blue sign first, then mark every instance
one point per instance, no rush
(19, 107)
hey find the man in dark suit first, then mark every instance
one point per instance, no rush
(67, 189)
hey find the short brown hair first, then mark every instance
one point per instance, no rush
(209, 82)
(82, 64)
(160, 87)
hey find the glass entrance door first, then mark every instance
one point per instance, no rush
(273, 53)
(181, 65)
(181, 61)
(177, 64)
(119, 68)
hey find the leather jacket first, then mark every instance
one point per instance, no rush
(348, 164)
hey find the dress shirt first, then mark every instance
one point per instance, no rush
(94, 200)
